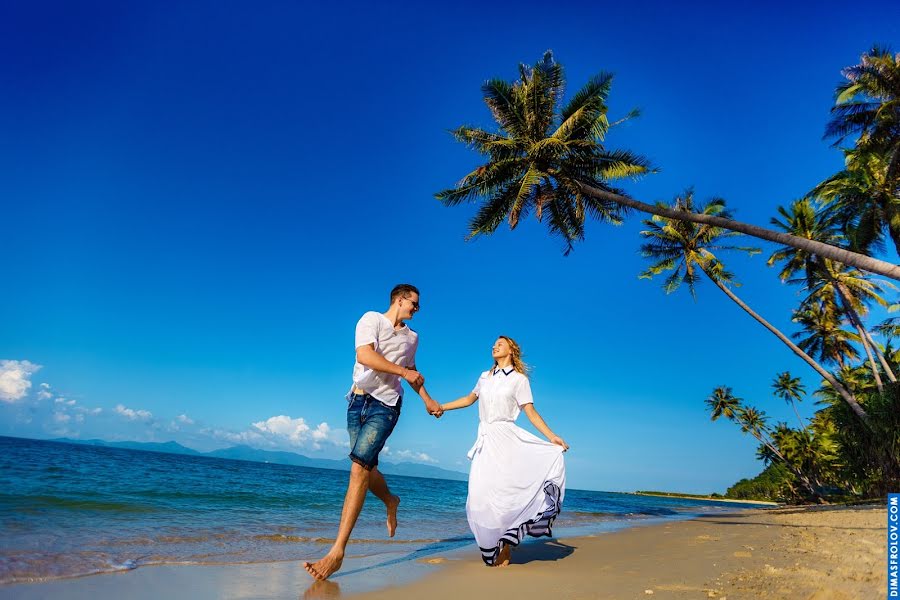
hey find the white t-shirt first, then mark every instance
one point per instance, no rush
(396, 345)
(501, 393)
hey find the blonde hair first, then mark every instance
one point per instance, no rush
(516, 356)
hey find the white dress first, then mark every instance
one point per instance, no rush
(517, 481)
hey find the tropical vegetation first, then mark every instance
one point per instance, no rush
(550, 159)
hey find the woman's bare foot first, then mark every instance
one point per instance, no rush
(325, 566)
(392, 505)
(503, 556)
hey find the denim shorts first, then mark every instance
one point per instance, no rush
(369, 423)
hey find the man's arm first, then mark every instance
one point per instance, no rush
(432, 406)
(367, 356)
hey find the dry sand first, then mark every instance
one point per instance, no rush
(791, 553)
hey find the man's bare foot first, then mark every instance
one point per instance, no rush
(326, 566)
(503, 557)
(392, 505)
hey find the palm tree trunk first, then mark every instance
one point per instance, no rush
(884, 364)
(797, 412)
(846, 257)
(862, 336)
(844, 392)
(867, 342)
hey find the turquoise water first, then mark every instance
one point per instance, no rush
(68, 510)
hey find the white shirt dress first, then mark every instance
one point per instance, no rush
(517, 481)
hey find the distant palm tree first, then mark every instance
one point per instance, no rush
(852, 291)
(828, 281)
(723, 403)
(791, 390)
(552, 162)
(686, 249)
(823, 335)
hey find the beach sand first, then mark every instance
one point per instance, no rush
(792, 553)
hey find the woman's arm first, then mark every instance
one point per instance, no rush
(461, 402)
(541, 426)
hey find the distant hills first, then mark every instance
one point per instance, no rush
(277, 457)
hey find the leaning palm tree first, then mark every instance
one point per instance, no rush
(791, 390)
(852, 291)
(550, 160)
(865, 198)
(868, 105)
(687, 250)
(827, 280)
(822, 334)
(723, 403)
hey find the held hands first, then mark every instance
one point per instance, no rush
(413, 377)
(555, 439)
(434, 408)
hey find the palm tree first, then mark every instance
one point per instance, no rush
(868, 105)
(823, 335)
(848, 288)
(827, 280)
(791, 390)
(686, 249)
(864, 198)
(723, 403)
(552, 162)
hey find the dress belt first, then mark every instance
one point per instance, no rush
(479, 443)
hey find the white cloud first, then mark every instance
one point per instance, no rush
(44, 393)
(185, 419)
(296, 431)
(244, 437)
(285, 432)
(61, 417)
(15, 379)
(413, 456)
(321, 432)
(62, 400)
(133, 415)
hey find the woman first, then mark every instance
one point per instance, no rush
(517, 481)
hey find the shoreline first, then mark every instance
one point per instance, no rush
(833, 553)
(728, 500)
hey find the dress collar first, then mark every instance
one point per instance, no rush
(506, 371)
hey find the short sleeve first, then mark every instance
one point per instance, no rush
(523, 392)
(477, 390)
(367, 329)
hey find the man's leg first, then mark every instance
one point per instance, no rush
(353, 503)
(379, 487)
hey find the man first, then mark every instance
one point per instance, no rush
(385, 355)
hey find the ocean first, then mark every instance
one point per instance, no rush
(69, 510)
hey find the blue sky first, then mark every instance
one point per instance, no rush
(200, 202)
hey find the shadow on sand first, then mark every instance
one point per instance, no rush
(533, 551)
(542, 551)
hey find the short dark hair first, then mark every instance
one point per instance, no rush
(403, 290)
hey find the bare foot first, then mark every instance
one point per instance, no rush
(392, 505)
(326, 566)
(503, 556)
